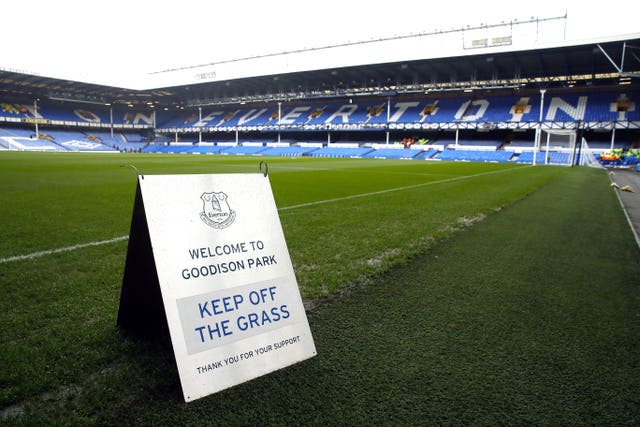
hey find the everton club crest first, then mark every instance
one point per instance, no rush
(216, 212)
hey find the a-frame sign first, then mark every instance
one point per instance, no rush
(207, 259)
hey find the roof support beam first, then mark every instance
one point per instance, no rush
(618, 68)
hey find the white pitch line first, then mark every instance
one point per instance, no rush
(391, 190)
(58, 250)
(286, 208)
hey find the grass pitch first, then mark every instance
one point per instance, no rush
(421, 312)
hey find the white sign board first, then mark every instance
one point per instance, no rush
(228, 288)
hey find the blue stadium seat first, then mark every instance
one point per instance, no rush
(476, 156)
(394, 153)
(340, 152)
(244, 150)
(288, 151)
(555, 158)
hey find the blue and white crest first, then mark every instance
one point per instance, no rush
(216, 212)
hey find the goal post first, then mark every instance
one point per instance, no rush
(556, 146)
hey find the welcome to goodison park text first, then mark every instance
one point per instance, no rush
(245, 255)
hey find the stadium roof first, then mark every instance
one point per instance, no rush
(598, 62)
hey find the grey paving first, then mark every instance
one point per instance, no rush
(630, 200)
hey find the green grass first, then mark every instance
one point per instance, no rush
(421, 314)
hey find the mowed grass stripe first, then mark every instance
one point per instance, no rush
(336, 244)
(51, 200)
(391, 190)
(529, 317)
(285, 208)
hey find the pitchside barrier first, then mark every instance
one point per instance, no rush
(207, 259)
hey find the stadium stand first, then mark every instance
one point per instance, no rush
(518, 146)
(27, 141)
(394, 153)
(288, 151)
(476, 156)
(554, 158)
(414, 113)
(340, 152)
(428, 154)
(205, 149)
(244, 149)
(493, 128)
(17, 133)
(51, 140)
